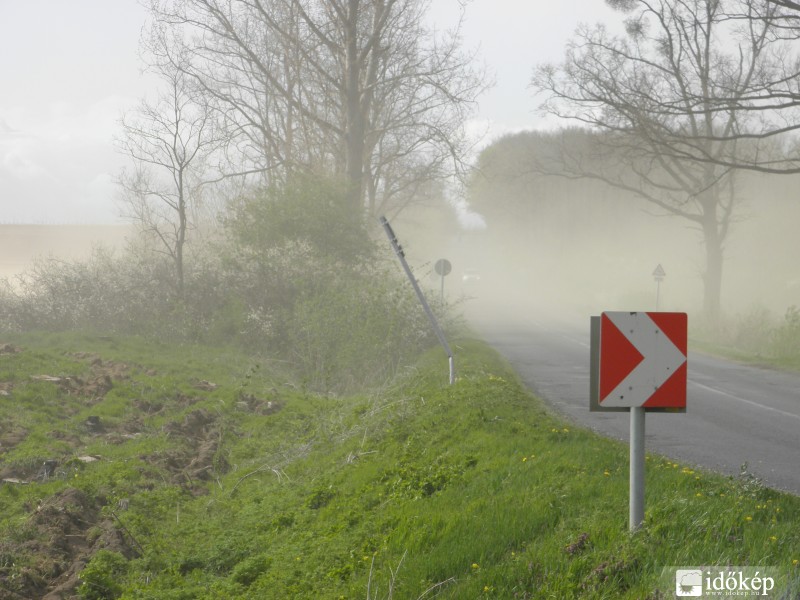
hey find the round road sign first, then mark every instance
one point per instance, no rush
(442, 267)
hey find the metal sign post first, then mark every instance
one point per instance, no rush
(658, 275)
(398, 250)
(636, 475)
(443, 268)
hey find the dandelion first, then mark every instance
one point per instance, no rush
(796, 562)
(524, 459)
(475, 566)
(773, 538)
(485, 589)
(565, 430)
(606, 473)
(748, 518)
(699, 495)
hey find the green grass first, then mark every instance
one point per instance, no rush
(784, 363)
(256, 488)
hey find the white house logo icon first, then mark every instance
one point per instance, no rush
(689, 583)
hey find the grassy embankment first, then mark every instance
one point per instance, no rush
(216, 479)
(748, 357)
(756, 337)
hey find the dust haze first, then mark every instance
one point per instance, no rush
(22, 245)
(573, 249)
(582, 250)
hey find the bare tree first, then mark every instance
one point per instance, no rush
(355, 87)
(766, 102)
(167, 141)
(673, 81)
(786, 4)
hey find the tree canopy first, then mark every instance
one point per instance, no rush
(356, 88)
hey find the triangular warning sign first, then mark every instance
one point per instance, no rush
(621, 357)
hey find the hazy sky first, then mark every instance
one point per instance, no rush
(68, 68)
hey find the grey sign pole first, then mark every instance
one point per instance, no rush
(398, 250)
(658, 275)
(443, 268)
(637, 455)
(636, 481)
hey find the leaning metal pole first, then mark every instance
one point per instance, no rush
(398, 250)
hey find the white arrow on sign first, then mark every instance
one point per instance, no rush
(661, 359)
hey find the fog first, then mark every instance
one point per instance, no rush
(578, 249)
(22, 245)
(584, 249)
(592, 251)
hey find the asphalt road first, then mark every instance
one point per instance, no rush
(736, 414)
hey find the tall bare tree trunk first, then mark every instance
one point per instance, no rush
(712, 278)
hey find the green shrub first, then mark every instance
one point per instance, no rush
(295, 276)
(356, 333)
(786, 337)
(101, 578)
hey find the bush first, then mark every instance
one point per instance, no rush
(295, 276)
(753, 330)
(786, 337)
(101, 577)
(757, 333)
(357, 332)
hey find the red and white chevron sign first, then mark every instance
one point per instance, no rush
(643, 360)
